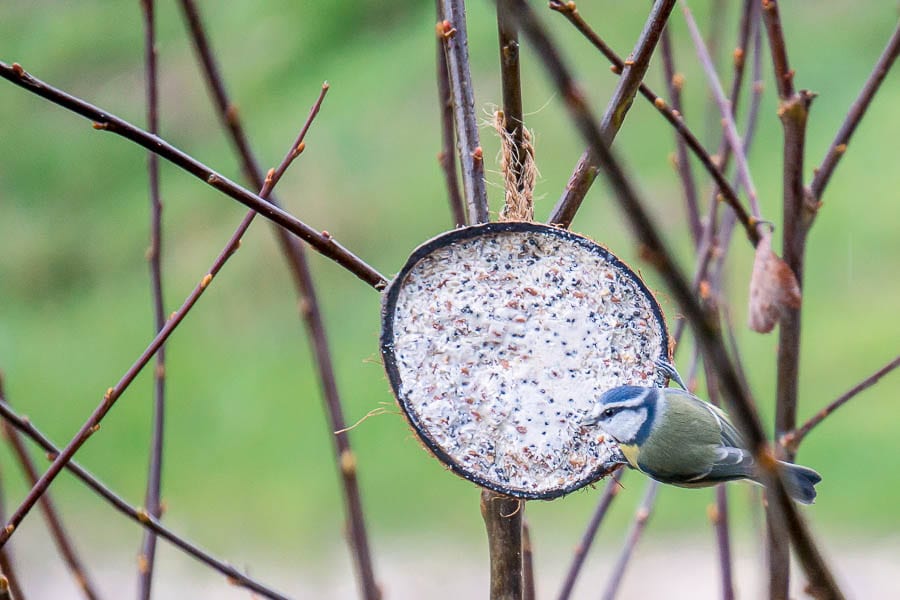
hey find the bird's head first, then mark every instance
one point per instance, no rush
(626, 413)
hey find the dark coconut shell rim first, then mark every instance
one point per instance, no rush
(389, 302)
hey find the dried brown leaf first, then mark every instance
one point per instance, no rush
(773, 288)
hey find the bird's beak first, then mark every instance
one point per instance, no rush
(591, 419)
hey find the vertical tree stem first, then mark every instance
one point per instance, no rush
(503, 520)
(152, 499)
(471, 156)
(447, 155)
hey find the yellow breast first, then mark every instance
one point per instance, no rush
(631, 454)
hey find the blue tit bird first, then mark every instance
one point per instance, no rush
(676, 438)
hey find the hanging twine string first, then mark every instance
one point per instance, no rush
(519, 172)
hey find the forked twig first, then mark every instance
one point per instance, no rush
(623, 96)
(323, 241)
(311, 313)
(471, 156)
(706, 331)
(139, 515)
(92, 425)
(670, 113)
(147, 555)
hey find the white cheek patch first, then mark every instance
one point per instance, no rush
(624, 426)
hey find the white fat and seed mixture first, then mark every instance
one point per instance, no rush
(503, 342)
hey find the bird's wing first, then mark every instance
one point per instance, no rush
(730, 436)
(732, 460)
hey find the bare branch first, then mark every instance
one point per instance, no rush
(609, 494)
(7, 566)
(323, 242)
(792, 439)
(147, 555)
(139, 515)
(528, 592)
(705, 328)
(471, 156)
(623, 96)
(822, 175)
(447, 155)
(92, 425)
(734, 138)
(642, 515)
(674, 81)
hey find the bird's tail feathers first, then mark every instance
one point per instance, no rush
(800, 482)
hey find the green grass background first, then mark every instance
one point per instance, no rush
(248, 451)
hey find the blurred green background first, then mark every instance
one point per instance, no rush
(248, 451)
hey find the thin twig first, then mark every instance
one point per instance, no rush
(792, 439)
(92, 425)
(705, 328)
(7, 566)
(674, 81)
(54, 524)
(719, 518)
(627, 87)
(323, 241)
(822, 175)
(471, 156)
(587, 539)
(152, 500)
(734, 138)
(311, 313)
(642, 515)
(729, 195)
(503, 520)
(528, 591)
(139, 515)
(447, 155)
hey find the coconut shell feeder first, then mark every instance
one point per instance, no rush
(497, 340)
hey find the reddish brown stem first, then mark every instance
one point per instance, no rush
(7, 567)
(623, 96)
(322, 241)
(471, 156)
(587, 539)
(447, 156)
(674, 81)
(51, 515)
(792, 439)
(822, 175)
(528, 592)
(138, 515)
(152, 501)
(642, 515)
(311, 313)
